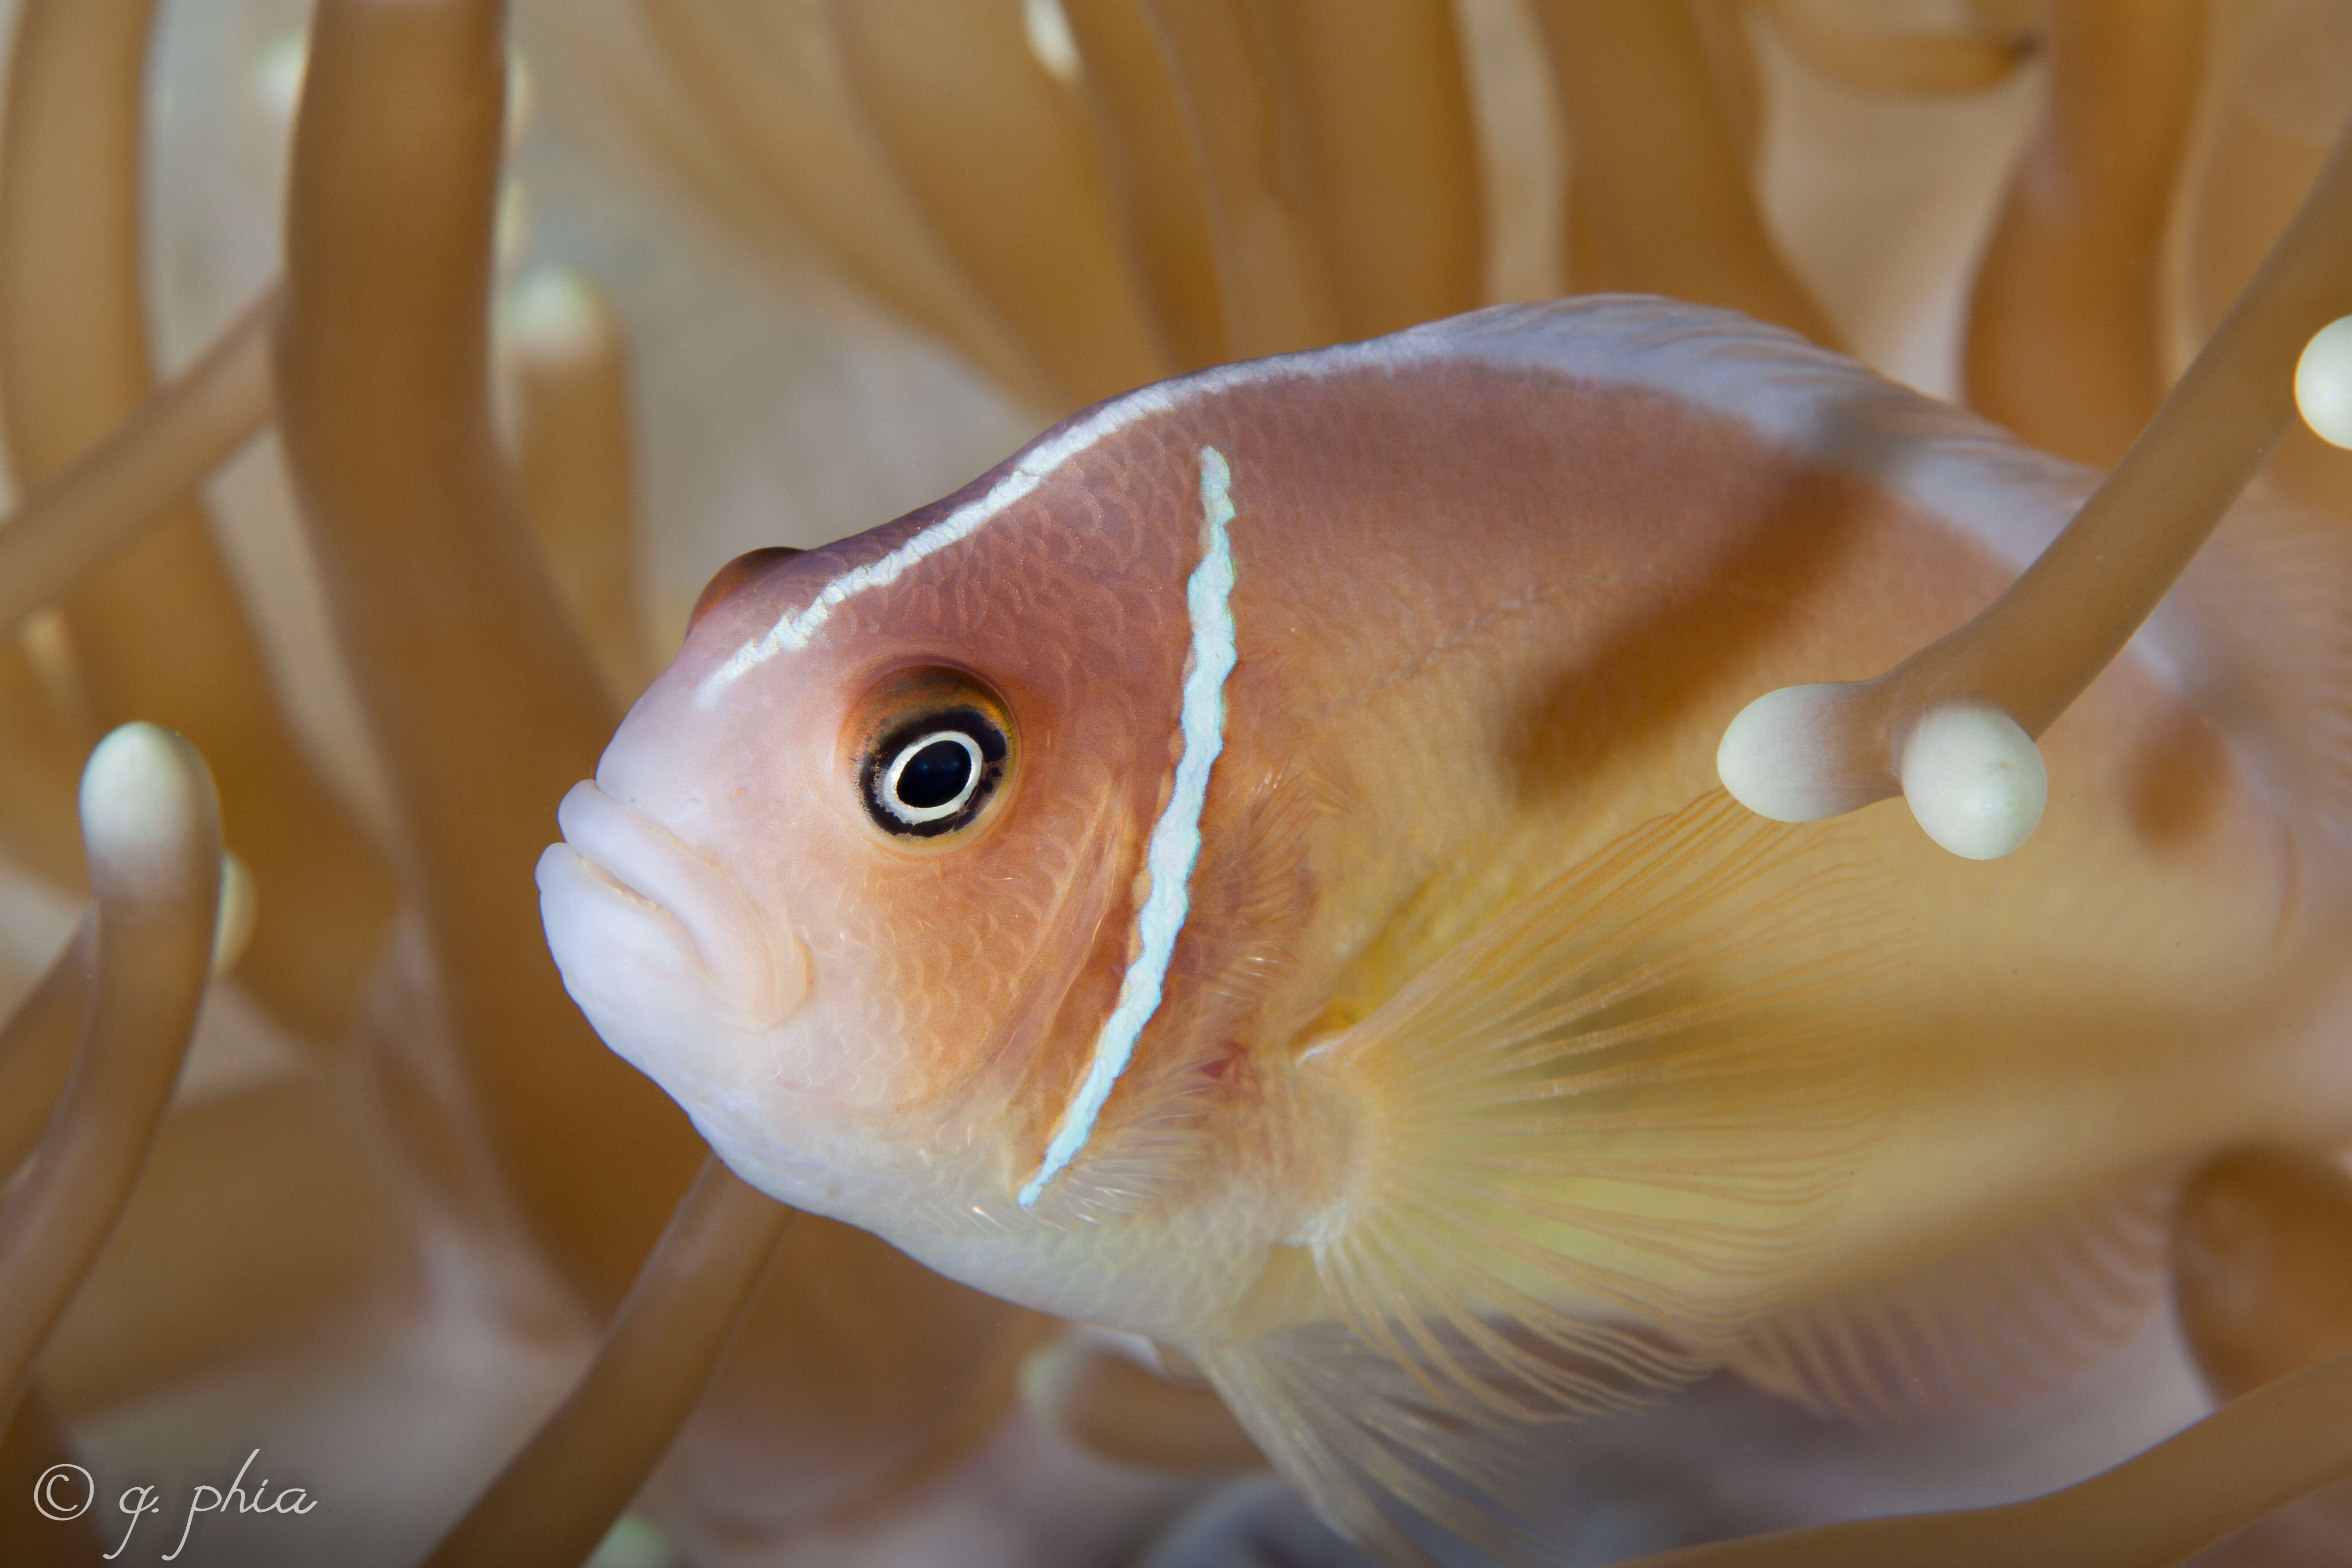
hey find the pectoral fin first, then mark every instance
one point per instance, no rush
(1593, 1149)
(1990, 1327)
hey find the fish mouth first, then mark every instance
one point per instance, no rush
(623, 898)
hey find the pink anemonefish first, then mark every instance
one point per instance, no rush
(1250, 871)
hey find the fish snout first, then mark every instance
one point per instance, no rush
(624, 891)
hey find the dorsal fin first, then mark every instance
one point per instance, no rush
(1811, 403)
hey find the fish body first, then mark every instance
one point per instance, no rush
(1250, 872)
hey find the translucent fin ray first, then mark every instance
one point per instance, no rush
(1592, 1149)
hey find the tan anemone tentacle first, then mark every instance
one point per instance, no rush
(319, 1224)
(774, 128)
(2065, 343)
(486, 704)
(1383, 118)
(1001, 157)
(2261, 1273)
(1108, 1405)
(81, 517)
(37, 1046)
(2254, 1455)
(1809, 751)
(856, 1372)
(557, 1498)
(2262, 1266)
(1728, 54)
(152, 826)
(575, 461)
(382, 358)
(1891, 54)
(1240, 117)
(74, 364)
(1660, 186)
(2264, 142)
(324, 1240)
(1161, 207)
(41, 742)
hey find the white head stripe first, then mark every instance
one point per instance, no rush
(1175, 841)
(793, 632)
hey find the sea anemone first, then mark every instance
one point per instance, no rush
(767, 274)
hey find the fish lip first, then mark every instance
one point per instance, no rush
(653, 878)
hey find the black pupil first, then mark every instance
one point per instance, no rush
(934, 775)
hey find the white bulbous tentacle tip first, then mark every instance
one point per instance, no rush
(1974, 779)
(556, 313)
(2323, 382)
(1784, 756)
(149, 817)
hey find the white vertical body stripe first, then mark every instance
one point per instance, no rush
(1175, 843)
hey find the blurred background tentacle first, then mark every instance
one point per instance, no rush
(2065, 341)
(1663, 200)
(74, 361)
(152, 826)
(559, 1497)
(384, 404)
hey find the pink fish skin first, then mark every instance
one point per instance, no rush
(1497, 1066)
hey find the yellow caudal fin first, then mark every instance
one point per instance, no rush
(1594, 1150)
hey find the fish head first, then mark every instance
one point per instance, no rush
(855, 862)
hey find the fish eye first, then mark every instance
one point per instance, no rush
(932, 776)
(937, 753)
